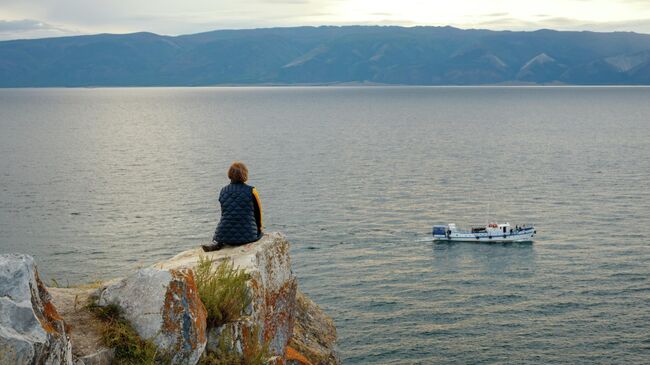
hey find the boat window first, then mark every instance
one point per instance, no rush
(439, 230)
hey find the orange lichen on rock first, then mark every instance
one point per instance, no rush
(246, 334)
(294, 355)
(280, 310)
(162, 306)
(272, 287)
(50, 315)
(197, 307)
(33, 333)
(50, 319)
(182, 303)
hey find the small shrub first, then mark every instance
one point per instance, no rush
(108, 313)
(224, 294)
(119, 335)
(130, 349)
(223, 290)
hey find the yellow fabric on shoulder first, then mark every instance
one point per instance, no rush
(259, 205)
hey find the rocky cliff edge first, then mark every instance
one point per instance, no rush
(161, 303)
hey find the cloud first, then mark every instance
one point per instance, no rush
(22, 25)
(636, 25)
(30, 28)
(496, 15)
(47, 18)
(170, 17)
(301, 2)
(544, 21)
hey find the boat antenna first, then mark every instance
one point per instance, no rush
(488, 208)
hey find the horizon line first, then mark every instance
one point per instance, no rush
(327, 26)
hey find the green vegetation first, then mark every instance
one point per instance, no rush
(118, 334)
(224, 294)
(223, 290)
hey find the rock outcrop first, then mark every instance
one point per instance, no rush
(31, 329)
(314, 335)
(163, 306)
(272, 288)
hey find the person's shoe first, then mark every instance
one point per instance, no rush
(213, 247)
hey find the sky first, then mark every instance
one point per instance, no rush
(48, 18)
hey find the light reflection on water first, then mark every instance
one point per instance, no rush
(96, 182)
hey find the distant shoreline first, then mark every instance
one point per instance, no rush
(337, 85)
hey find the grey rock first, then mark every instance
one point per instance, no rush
(314, 334)
(163, 306)
(272, 287)
(31, 330)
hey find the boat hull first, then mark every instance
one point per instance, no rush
(521, 236)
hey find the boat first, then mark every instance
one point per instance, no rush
(493, 232)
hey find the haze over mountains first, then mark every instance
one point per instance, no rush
(329, 55)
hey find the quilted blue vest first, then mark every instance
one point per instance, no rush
(237, 225)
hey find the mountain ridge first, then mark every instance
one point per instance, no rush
(329, 55)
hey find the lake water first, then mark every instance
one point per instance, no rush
(97, 182)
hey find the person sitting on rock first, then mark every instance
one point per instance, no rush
(241, 212)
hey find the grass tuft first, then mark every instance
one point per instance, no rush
(108, 313)
(223, 290)
(225, 295)
(119, 335)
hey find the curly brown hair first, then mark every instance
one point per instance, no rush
(238, 172)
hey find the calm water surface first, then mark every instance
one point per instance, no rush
(97, 182)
